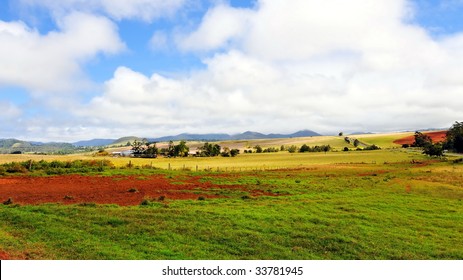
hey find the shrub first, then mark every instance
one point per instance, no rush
(15, 167)
(292, 149)
(8, 201)
(132, 190)
(434, 150)
(372, 147)
(201, 198)
(145, 202)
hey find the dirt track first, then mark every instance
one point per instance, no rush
(72, 189)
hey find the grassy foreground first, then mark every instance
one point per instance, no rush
(351, 207)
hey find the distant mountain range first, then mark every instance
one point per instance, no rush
(248, 135)
(14, 145)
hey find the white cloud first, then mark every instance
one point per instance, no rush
(219, 25)
(9, 111)
(52, 62)
(288, 65)
(146, 10)
(159, 41)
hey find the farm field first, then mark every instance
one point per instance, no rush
(386, 204)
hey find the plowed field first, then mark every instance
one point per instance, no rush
(436, 136)
(121, 190)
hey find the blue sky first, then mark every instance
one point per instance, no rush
(81, 69)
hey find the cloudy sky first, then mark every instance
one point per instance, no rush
(82, 69)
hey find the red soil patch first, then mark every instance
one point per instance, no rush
(4, 256)
(72, 189)
(436, 136)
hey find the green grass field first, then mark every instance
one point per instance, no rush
(386, 204)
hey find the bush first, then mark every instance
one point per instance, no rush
(8, 201)
(292, 149)
(372, 148)
(234, 152)
(145, 202)
(434, 150)
(15, 167)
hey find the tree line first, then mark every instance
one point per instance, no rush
(453, 141)
(148, 149)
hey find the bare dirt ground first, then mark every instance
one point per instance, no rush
(436, 136)
(4, 256)
(121, 190)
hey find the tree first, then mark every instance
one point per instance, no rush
(304, 148)
(225, 152)
(356, 142)
(151, 150)
(292, 149)
(209, 150)
(171, 149)
(181, 150)
(421, 140)
(454, 138)
(138, 147)
(234, 152)
(326, 148)
(341, 133)
(434, 150)
(258, 149)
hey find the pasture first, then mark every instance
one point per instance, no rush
(387, 204)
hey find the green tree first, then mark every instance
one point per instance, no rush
(421, 140)
(326, 148)
(292, 149)
(209, 150)
(234, 152)
(171, 149)
(454, 138)
(138, 147)
(225, 152)
(304, 148)
(258, 149)
(181, 150)
(434, 150)
(151, 150)
(356, 142)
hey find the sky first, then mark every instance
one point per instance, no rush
(82, 69)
